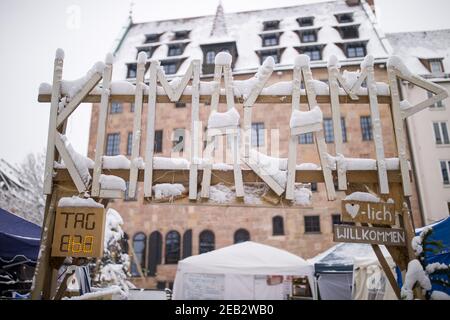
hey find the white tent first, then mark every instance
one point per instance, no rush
(238, 272)
(352, 271)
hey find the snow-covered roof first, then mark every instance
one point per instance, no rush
(245, 28)
(414, 46)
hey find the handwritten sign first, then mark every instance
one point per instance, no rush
(79, 232)
(368, 212)
(386, 236)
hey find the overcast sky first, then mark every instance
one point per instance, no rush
(30, 32)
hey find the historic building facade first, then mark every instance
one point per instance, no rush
(162, 234)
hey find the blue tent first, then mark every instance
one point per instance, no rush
(441, 232)
(19, 238)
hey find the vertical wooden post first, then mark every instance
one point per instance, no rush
(56, 95)
(195, 131)
(136, 144)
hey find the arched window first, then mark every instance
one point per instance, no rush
(206, 241)
(139, 244)
(241, 235)
(187, 243)
(154, 252)
(277, 226)
(172, 247)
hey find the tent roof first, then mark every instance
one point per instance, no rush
(343, 256)
(18, 237)
(247, 258)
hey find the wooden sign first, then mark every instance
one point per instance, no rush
(79, 232)
(368, 212)
(371, 235)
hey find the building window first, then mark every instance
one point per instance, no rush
(309, 36)
(116, 107)
(175, 50)
(438, 104)
(436, 66)
(335, 219)
(210, 56)
(158, 145)
(154, 252)
(328, 130)
(314, 186)
(127, 198)
(181, 35)
(132, 107)
(355, 50)
(344, 17)
(306, 138)
(139, 244)
(180, 105)
(277, 226)
(441, 132)
(206, 241)
(170, 68)
(187, 243)
(148, 51)
(172, 247)
(270, 40)
(149, 38)
(129, 143)
(113, 144)
(131, 70)
(312, 224)
(306, 21)
(271, 25)
(349, 32)
(445, 169)
(313, 52)
(241, 235)
(257, 134)
(366, 128)
(275, 54)
(178, 140)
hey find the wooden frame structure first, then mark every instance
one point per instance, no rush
(74, 179)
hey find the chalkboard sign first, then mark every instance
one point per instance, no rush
(79, 232)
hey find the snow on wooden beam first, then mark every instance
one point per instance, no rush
(196, 127)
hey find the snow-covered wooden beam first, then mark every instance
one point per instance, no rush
(196, 129)
(54, 103)
(101, 127)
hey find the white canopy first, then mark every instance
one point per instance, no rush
(240, 262)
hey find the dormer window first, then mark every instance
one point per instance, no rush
(131, 70)
(308, 36)
(355, 50)
(271, 25)
(348, 32)
(149, 38)
(344, 17)
(169, 67)
(436, 66)
(306, 21)
(314, 52)
(181, 35)
(175, 50)
(148, 50)
(274, 53)
(211, 50)
(270, 40)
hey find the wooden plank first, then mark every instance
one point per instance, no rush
(137, 126)
(259, 85)
(307, 129)
(262, 99)
(387, 270)
(368, 212)
(150, 144)
(70, 165)
(423, 105)
(101, 130)
(215, 97)
(111, 194)
(78, 98)
(54, 99)
(196, 127)
(292, 163)
(178, 91)
(265, 176)
(247, 131)
(370, 235)
(400, 137)
(238, 183)
(208, 155)
(376, 124)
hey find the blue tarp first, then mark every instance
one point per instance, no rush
(441, 232)
(18, 238)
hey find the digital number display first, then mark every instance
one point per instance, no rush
(79, 232)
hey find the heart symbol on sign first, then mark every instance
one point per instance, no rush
(352, 209)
